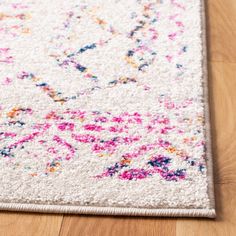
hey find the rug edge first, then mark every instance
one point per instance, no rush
(209, 213)
(210, 175)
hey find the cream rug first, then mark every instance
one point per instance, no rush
(103, 108)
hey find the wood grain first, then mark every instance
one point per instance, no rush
(23, 224)
(223, 114)
(221, 31)
(115, 226)
(224, 225)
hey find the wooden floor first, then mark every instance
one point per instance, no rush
(221, 18)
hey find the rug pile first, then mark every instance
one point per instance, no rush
(103, 108)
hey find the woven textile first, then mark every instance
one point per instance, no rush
(103, 107)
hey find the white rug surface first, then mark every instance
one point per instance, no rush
(104, 108)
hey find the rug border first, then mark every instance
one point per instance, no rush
(210, 213)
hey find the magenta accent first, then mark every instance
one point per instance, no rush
(93, 127)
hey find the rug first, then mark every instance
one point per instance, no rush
(103, 108)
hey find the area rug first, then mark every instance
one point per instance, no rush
(104, 108)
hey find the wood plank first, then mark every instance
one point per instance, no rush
(221, 19)
(224, 225)
(116, 226)
(29, 224)
(223, 113)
